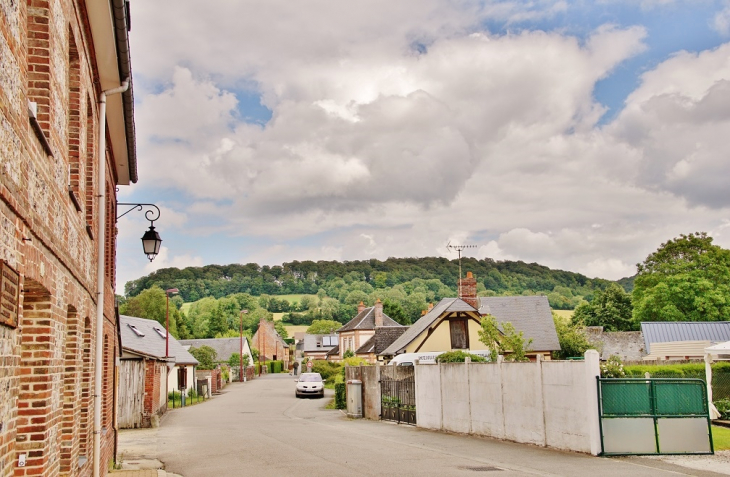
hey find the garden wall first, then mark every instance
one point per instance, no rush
(547, 403)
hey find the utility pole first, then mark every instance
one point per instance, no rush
(240, 355)
(459, 249)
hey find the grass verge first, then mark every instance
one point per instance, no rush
(721, 438)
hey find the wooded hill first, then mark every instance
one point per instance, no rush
(564, 289)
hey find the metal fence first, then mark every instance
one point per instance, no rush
(654, 416)
(398, 394)
(175, 399)
(720, 374)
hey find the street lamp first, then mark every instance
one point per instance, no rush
(151, 240)
(240, 355)
(173, 291)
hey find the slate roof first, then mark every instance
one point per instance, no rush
(384, 336)
(529, 314)
(447, 305)
(152, 343)
(310, 342)
(365, 320)
(224, 347)
(334, 351)
(668, 331)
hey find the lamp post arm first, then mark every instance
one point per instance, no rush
(152, 214)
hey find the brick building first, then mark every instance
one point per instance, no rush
(57, 230)
(270, 345)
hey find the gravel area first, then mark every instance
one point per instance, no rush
(720, 462)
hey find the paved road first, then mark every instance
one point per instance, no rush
(259, 428)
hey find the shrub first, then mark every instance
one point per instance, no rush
(613, 368)
(723, 407)
(459, 357)
(327, 369)
(340, 396)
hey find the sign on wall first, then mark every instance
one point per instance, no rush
(9, 295)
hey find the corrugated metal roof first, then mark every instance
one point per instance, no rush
(150, 339)
(668, 331)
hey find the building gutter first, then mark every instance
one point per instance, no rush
(100, 271)
(121, 28)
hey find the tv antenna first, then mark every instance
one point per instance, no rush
(458, 249)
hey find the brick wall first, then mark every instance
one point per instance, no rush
(468, 290)
(46, 362)
(269, 343)
(153, 390)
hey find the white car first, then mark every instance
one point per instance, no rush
(310, 384)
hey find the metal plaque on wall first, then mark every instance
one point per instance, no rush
(9, 295)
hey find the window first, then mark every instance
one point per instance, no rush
(459, 333)
(161, 332)
(136, 331)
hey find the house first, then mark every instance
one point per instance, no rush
(317, 346)
(151, 367)
(62, 164)
(454, 323)
(384, 336)
(270, 345)
(361, 328)
(224, 347)
(628, 345)
(681, 340)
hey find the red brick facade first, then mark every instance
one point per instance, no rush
(269, 343)
(47, 189)
(155, 395)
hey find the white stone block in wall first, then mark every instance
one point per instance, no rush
(428, 396)
(566, 419)
(485, 393)
(455, 397)
(522, 402)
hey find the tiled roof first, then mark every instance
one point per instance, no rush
(334, 351)
(447, 305)
(224, 347)
(365, 320)
(529, 314)
(147, 337)
(384, 336)
(668, 331)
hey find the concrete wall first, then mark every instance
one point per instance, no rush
(548, 403)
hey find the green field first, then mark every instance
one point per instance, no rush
(564, 313)
(291, 329)
(278, 316)
(292, 298)
(721, 438)
(185, 308)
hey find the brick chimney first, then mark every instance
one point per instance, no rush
(378, 308)
(468, 290)
(430, 307)
(360, 307)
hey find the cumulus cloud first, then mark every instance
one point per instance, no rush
(165, 260)
(397, 127)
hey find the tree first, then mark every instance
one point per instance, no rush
(686, 279)
(502, 338)
(205, 355)
(235, 360)
(394, 310)
(151, 304)
(281, 329)
(611, 309)
(572, 338)
(323, 327)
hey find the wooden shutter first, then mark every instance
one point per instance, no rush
(459, 334)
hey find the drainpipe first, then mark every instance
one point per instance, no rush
(100, 272)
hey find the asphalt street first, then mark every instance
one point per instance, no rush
(260, 428)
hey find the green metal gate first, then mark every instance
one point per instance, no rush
(654, 416)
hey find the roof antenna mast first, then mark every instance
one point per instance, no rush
(458, 249)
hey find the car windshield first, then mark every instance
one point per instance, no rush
(311, 378)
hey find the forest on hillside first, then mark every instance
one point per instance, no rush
(565, 290)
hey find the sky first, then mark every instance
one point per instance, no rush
(578, 135)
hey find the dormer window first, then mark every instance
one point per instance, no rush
(161, 332)
(136, 331)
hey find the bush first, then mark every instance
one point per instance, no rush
(340, 396)
(459, 357)
(613, 368)
(327, 369)
(723, 407)
(274, 366)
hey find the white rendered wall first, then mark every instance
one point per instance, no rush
(551, 403)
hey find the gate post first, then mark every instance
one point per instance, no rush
(593, 371)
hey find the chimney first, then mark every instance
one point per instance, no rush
(360, 307)
(468, 290)
(430, 306)
(378, 313)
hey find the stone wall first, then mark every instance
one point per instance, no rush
(46, 377)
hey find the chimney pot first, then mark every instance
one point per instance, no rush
(468, 290)
(360, 307)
